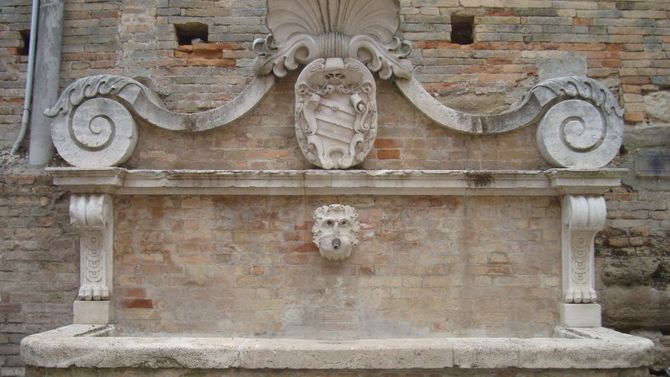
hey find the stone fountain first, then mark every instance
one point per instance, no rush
(338, 267)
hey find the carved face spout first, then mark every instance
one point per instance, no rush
(334, 231)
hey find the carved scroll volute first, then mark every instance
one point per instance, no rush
(92, 126)
(583, 217)
(584, 128)
(92, 216)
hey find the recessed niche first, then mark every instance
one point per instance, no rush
(191, 33)
(24, 48)
(462, 29)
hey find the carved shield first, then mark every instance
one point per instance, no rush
(336, 112)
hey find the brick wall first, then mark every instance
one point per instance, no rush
(425, 266)
(625, 43)
(39, 273)
(265, 139)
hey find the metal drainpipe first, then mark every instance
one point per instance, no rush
(46, 81)
(29, 77)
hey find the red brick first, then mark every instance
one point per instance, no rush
(134, 292)
(137, 304)
(500, 12)
(388, 154)
(10, 308)
(582, 21)
(387, 143)
(307, 247)
(634, 117)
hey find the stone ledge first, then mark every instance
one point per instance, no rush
(90, 346)
(552, 182)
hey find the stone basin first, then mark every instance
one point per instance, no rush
(585, 352)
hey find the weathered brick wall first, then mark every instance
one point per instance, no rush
(39, 264)
(625, 43)
(425, 266)
(633, 253)
(265, 139)
(14, 18)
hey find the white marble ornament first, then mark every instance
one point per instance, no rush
(336, 112)
(307, 30)
(583, 217)
(335, 230)
(92, 216)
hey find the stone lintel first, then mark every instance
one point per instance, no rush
(552, 182)
(95, 347)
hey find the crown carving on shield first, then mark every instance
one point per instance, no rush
(306, 30)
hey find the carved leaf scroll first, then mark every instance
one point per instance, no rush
(581, 122)
(94, 120)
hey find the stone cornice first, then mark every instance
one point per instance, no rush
(552, 182)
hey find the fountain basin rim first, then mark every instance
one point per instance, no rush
(90, 346)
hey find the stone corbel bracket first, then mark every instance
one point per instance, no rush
(92, 216)
(582, 218)
(95, 118)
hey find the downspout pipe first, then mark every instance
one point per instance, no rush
(46, 81)
(35, 11)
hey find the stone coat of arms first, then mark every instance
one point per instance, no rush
(336, 112)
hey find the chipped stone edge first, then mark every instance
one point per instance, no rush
(552, 182)
(91, 346)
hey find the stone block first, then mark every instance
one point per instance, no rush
(92, 312)
(580, 315)
(563, 64)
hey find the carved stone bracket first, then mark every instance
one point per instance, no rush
(583, 217)
(92, 216)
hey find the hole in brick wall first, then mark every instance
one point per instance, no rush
(462, 29)
(24, 48)
(191, 33)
